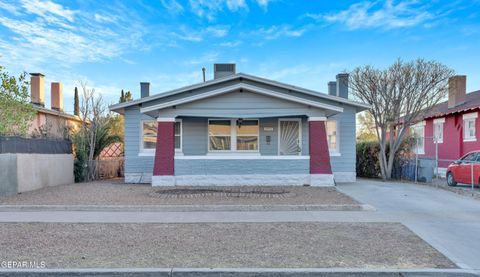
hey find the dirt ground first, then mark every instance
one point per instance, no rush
(309, 245)
(117, 193)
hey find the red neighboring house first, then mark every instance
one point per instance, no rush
(454, 123)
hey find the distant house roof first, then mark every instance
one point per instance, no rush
(472, 101)
(57, 113)
(120, 107)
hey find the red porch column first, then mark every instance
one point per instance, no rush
(163, 167)
(320, 168)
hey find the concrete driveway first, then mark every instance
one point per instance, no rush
(449, 222)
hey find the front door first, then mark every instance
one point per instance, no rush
(289, 136)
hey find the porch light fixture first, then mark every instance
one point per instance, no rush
(239, 122)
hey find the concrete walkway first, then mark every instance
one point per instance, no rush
(449, 222)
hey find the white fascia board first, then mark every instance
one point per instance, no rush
(470, 115)
(165, 119)
(237, 87)
(317, 118)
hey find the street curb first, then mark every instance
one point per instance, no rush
(242, 272)
(185, 208)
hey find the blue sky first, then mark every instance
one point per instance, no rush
(113, 45)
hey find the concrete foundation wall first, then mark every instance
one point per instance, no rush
(26, 172)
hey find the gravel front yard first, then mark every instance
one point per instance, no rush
(365, 245)
(118, 193)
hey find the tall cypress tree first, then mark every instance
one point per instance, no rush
(76, 107)
(122, 97)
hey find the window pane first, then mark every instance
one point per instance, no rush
(220, 143)
(469, 157)
(150, 128)
(332, 135)
(247, 143)
(177, 142)
(219, 127)
(248, 127)
(178, 125)
(438, 131)
(149, 142)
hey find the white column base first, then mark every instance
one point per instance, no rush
(163, 181)
(321, 180)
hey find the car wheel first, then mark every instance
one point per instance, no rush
(450, 180)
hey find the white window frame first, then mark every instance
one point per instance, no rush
(336, 151)
(179, 150)
(145, 151)
(300, 123)
(412, 128)
(151, 151)
(470, 117)
(233, 138)
(438, 122)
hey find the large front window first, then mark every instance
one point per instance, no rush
(233, 135)
(149, 135)
(220, 135)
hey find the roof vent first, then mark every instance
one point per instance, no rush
(223, 69)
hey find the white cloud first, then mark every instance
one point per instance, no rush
(105, 18)
(209, 8)
(48, 9)
(187, 34)
(374, 15)
(263, 4)
(218, 31)
(230, 43)
(172, 6)
(59, 36)
(234, 5)
(9, 7)
(275, 32)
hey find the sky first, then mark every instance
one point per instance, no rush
(114, 45)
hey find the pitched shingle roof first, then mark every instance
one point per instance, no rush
(472, 101)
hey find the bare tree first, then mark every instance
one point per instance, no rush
(94, 133)
(399, 96)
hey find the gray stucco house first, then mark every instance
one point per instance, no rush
(239, 129)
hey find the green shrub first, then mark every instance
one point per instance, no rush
(367, 159)
(368, 164)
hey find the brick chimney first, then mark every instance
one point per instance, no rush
(457, 90)
(57, 96)
(37, 89)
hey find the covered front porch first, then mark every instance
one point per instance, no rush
(287, 150)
